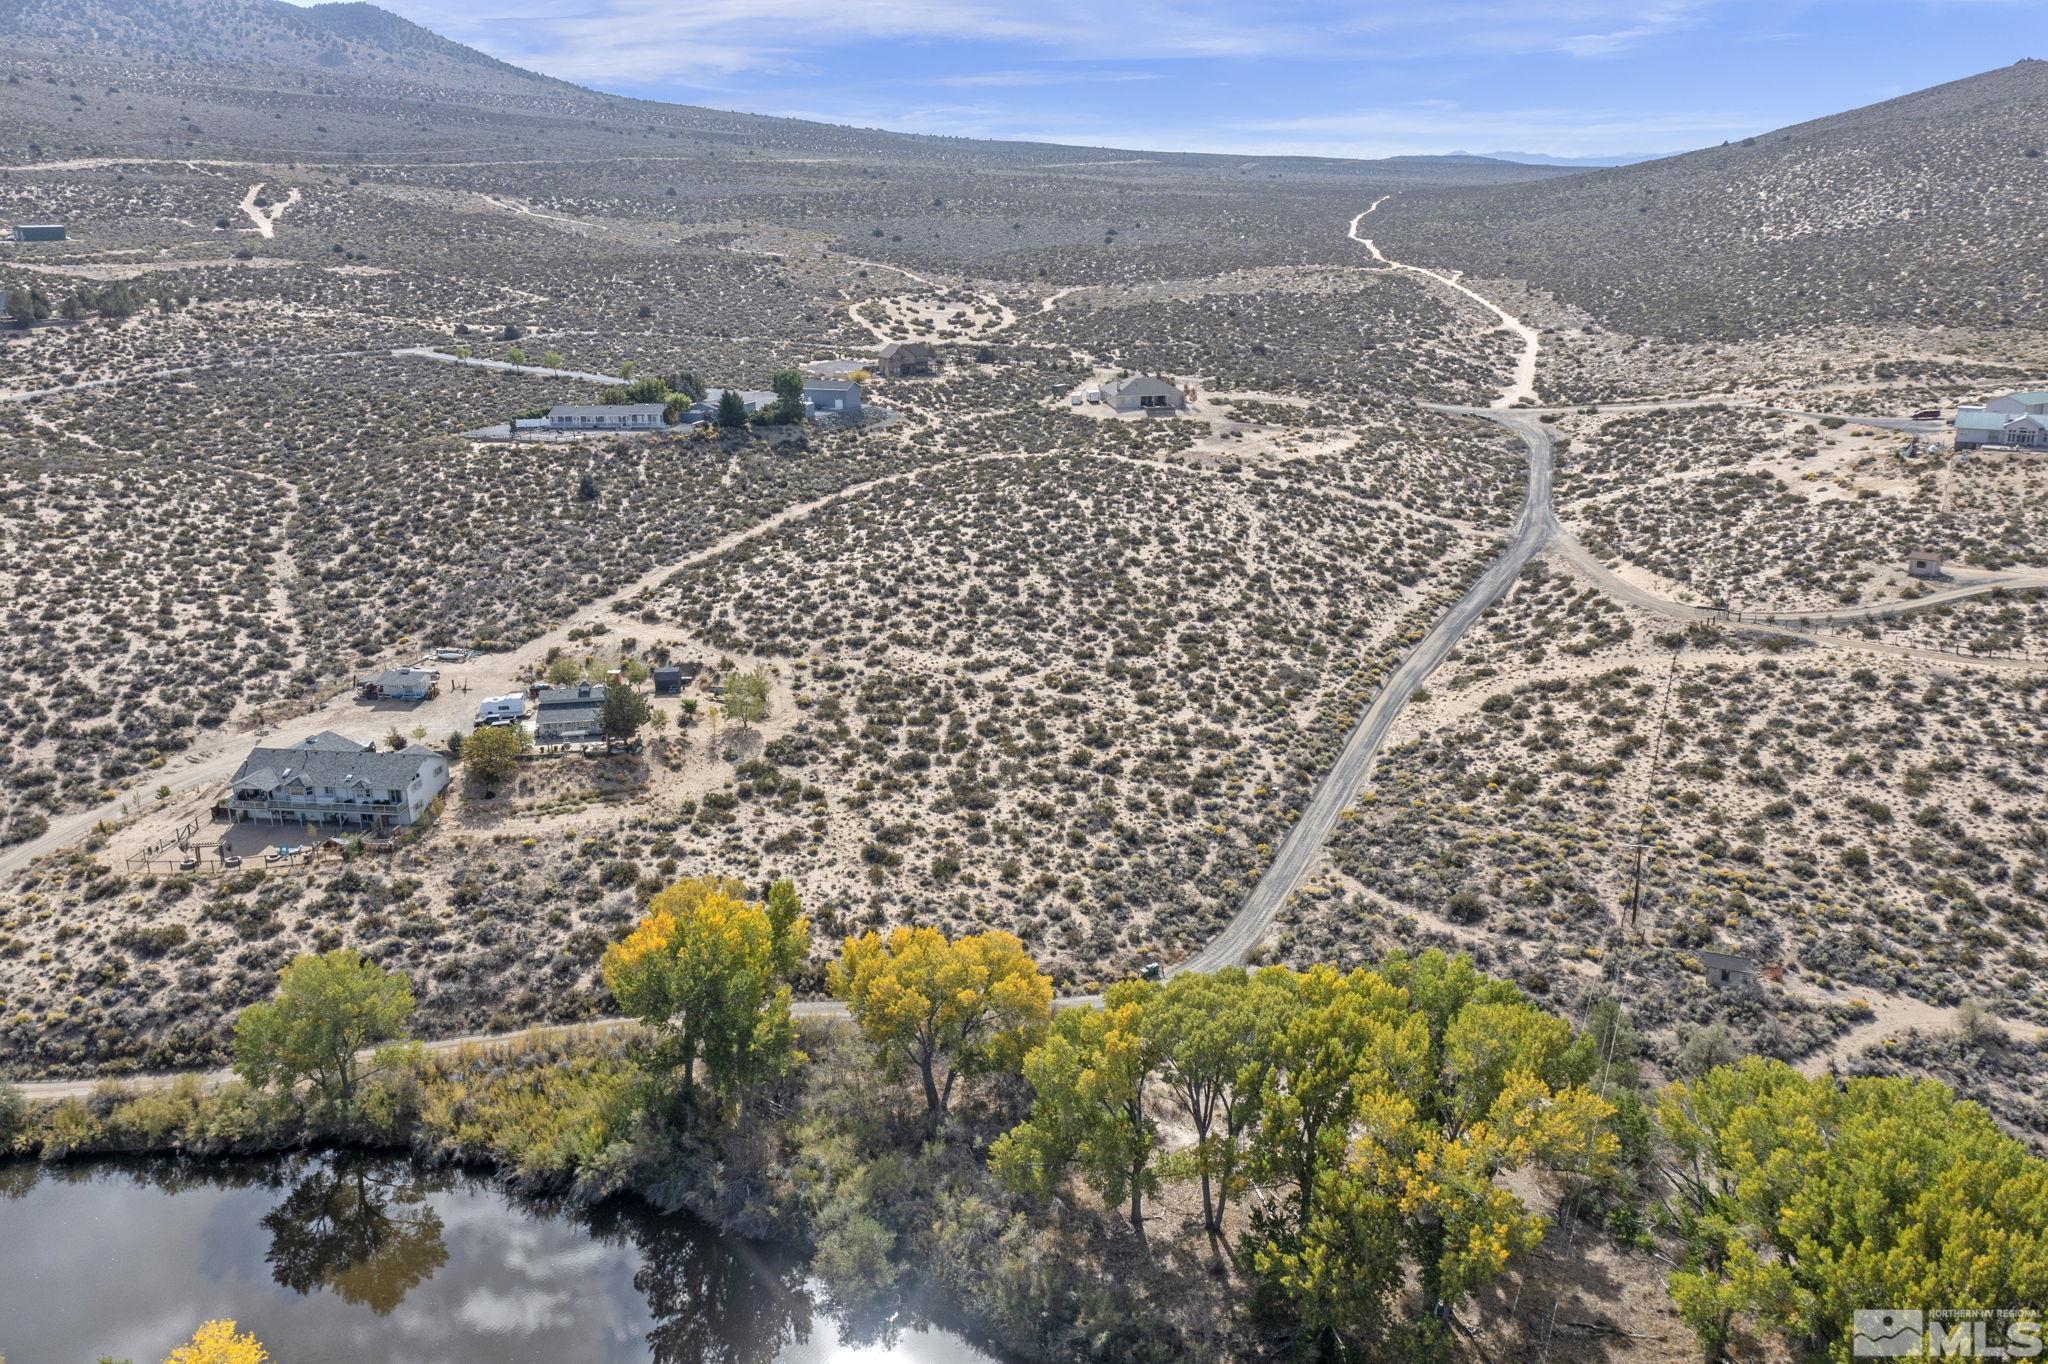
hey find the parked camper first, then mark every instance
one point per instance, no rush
(501, 710)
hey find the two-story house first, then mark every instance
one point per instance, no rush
(332, 779)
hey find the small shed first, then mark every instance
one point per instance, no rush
(1923, 563)
(1727, 971)
(39, 232)
(668, 681)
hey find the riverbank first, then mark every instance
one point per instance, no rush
(820, 1165)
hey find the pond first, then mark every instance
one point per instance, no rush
(339, 1257)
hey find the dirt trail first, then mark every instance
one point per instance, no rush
(265, 216)
(1523, 389)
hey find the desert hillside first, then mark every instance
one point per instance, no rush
(1927, 209)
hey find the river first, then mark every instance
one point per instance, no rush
(344, 1258)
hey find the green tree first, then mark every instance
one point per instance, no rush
(789, 394)
(732, 410)
(1455, 1079)
(623, 712)
(1215, 1035)
(515, 355)
(27, 305)
(684, 383)
(563, 671)
(493, 753)
(746, 697)
(327, 1011)
(1088, 1115)
(944, 1007)
(551, 358)
(1802, 1200)
(648, 390)
(705, 970)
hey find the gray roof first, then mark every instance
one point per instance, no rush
(607, 411)
(831, 386)
(891, 349)
(1139, 383)
(574, 694)
(395, 678)
(2031, 398)
(330, 759)
(1977, 419)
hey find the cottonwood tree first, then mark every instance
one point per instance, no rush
(327, 1011)
(1215, 1036)
(492, 754)
(1801, 1200)
(1458, 1079)
(1088, 1113)
(706, 970)
(944, 1007)
(217, 1342)
(746, 697)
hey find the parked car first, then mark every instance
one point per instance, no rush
(1930, 414)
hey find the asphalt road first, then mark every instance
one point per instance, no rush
(1535, 524)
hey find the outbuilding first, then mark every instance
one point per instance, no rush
(39, 232)
(1923, 563)
(1727, 971)
(832, 397)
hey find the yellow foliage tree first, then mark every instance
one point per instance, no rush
(217, 1342)
(947, 1007)
(706, 969)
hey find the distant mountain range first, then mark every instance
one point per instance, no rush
(1540, 159)
(1931, 208)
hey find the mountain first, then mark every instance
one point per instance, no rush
(1540, 159)
(340, 39)
(1932, 207)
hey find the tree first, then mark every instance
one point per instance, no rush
(515, 355)
(1215, 1036)
(217, 1342)
(1395, 1100)
(1802, 1200)
(623, 712)
(493, 753)
(648, 390)
(27, 305)
(947, 1008)
(586, 487)
(705, 969)
(551, 358)
(685, 383)
(563, 671)
(746, 697)
(789, 394)
(732, 410)
(1088, 1113)
(327, 1010)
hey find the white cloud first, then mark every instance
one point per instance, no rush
(1045, 77)
(652, 43)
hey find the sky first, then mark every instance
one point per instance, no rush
(1564, 78)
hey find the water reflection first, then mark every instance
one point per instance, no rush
(340, 1258)
(366, 1236)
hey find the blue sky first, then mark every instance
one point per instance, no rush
(1559, 77)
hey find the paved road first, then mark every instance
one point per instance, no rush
(1535, 524)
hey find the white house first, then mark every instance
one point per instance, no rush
(606, 417)
(332, 779)
(1144, 393)
(401, 684)
(2019, 419)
